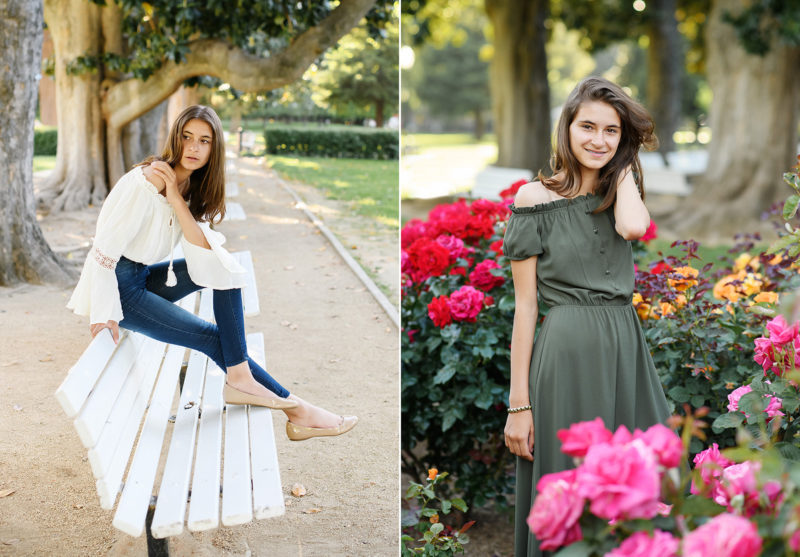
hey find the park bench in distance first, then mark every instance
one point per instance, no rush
(117, 393)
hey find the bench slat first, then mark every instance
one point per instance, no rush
(234, 211)
(128, 408)
(132, 508)
(171, 508)
(109, 485)
(267, 492)
(237, 498)
(81, 377)
(95, 412)
(204, 506)
(250, 291)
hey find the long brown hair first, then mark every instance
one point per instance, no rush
(636, 132)
(206, 193)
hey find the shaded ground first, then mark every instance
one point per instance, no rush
(326, 339)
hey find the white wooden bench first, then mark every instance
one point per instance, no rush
(493, 179)
(118, 393)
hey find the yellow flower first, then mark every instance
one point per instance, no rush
(432, 473)
(745, 260)
(752, 283)
(689, 275)
(767, 297)
(642, 309)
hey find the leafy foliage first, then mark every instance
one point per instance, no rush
(45, 142)
(356, 143)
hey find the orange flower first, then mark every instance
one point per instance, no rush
(689, 275)
(777, 258)
(434, 519)
(666, 309)
(725, 290)
(432, 473)
(642, 309)
(680, 300)
(746, 260)
(766, 297)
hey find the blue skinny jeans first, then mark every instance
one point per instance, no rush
(148, 308)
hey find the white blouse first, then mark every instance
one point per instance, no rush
(137, 222)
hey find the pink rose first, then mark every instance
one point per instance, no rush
(651, 233)
(738, 487)
(554, 516)
(665, 443)
(482, 276)
(726, 535)
(466, 304)
(622, 436)
(576, 440)
(620, 481)
(773, 408)
(735, 395)
(640, 544)
(764, 354)
(711, 464)
(454, 245)
(794, 542)
(780, 332)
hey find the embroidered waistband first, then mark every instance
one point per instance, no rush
(104, 260)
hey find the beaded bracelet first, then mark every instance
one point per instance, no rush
(519, 409)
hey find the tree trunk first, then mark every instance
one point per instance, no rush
(753, 118)
(519, 88)
(379, 104)
(480, 126)
(24, 253)
(665, 69)
(79, 177)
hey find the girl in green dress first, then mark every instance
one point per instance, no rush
(568, 239)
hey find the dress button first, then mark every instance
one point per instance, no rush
(595, 231)
(602, 250)
(608, 272)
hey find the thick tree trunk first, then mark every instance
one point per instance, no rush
(753, 120)
(519, 88)
(24, 253)
(79, 177)
(665, 72)
(379, 104)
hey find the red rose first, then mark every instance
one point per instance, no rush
(512, 190)
(466, 303)
(497, 247)
(427, 258)
(482, 277)
(650, 233)
(413, 229)
(439, 311)
(479, 226)
(661, 267)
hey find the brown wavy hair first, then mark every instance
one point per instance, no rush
(637, 131)
(206, 193)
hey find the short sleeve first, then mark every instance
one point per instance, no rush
(97, 292)
(213, 268)
(523, 235)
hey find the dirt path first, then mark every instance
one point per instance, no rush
(327, 340)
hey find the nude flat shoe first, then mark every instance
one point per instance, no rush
(232, 395)
(301, 432)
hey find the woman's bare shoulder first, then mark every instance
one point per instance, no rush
(532, 193)
(153, 178)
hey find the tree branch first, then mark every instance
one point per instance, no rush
(127, 100)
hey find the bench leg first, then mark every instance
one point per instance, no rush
(155, 547)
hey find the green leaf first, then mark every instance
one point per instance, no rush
(752, 403)
(444, 374)
(790, 207)
(758, 309)
(697, 505)
(578, 549)
(725, 421)
(679, 394)
(437, 528)
(781, 244)
(459, 504)
(506, 303)
(428, 512)
(788, 451)
(446, 506)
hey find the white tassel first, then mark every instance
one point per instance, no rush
(171, 280)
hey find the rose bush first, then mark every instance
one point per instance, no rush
(735, 509)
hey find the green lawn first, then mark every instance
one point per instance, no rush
(425, 140)
(44, 163)
(370, 186)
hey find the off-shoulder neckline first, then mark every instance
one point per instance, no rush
(553, 205)
(149, 185)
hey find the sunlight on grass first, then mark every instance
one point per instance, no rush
(44, 163)
(370, 186)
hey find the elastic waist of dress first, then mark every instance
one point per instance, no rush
(593, 306)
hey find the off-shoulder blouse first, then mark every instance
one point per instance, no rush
(137, 222)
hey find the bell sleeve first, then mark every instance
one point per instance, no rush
(97, 292)
(213, 268)
(522, 238)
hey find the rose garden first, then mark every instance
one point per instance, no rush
(721, 478)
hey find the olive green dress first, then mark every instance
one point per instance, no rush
(589, 358)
